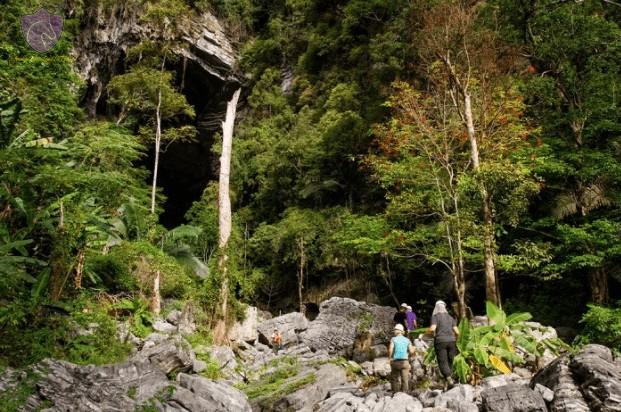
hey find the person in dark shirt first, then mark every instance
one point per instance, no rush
(445, 332)
(400, 317)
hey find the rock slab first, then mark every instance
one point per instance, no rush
(512, 398)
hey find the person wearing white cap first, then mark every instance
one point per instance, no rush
(410, 318)
(445, 332)
(398, 351)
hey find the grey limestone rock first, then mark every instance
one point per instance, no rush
(246, 330)
(289, 326)
(512, 398)
(599, 378)
(339, 321)
(214, 396)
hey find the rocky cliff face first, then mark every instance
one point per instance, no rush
(107, 33)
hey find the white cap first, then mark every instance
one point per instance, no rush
(409, 307)
(399, 327)
(404, 305)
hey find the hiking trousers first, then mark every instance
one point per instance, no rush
(445, 352)
(399, 375)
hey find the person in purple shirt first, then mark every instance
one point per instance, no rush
(410, 318)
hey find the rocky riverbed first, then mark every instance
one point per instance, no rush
(313, 372)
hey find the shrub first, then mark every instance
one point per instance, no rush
(111, 272)
(602, 325)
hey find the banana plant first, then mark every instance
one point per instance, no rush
(497, 347)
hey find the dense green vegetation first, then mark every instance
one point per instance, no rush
(353, 168)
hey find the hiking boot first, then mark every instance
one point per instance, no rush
(448, 383)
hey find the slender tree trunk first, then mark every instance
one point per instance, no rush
(158, 143)
(301, 274)
(491, 282)
(224, 214)
(158, 137)
(460, 281)
(492, 289)
(474, 146)
(598, 280)
(156, 302)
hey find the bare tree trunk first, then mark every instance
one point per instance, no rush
(491, 282)
(474, 146)
(156, 303)
(158, 139)
(598, 280)
(158, 143)
(301, 274)
(224, 211)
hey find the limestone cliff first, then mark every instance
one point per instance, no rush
(107, 32)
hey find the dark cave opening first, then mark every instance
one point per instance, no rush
(186, 168)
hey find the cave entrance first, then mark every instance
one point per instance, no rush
(186, 168)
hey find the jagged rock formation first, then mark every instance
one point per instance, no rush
(339, 321)
(589, 381)
(140, 382)
(109, 30)
(302, 378)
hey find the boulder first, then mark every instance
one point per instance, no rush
(186, 324)
(381, 367)
(557, 377)
(428, 397)
(327, 378)
(170, 355)
(454, 397)
(213, 396)
(289, 326)
(546, 393)
(341, 319)
(599, 378)
(502, 380)
(164, 327)
(347, 402)
(512, 398)
(199, 366)
(401, 402)
(174, 317)
(247, 329)
(367, 368)
(343, 402)
(223, 356)
(226, 360)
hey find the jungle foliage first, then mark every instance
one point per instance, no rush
(352, 172)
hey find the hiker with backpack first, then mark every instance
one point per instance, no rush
(400, 317)
(398, 351)
(444, 328)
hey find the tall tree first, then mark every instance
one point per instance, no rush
(224, 212)
(420, 162)
(465, 60)
(574, 50)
